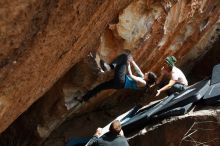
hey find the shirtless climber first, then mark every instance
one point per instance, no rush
(172, 79)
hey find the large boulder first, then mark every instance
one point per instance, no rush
(50, 50)
(195, 128)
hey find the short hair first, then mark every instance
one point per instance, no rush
(152, 78)
(115, 127)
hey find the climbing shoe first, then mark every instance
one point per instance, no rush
(104, 66)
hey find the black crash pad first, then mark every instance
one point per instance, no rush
(212, 96)
(191, 95)
(215, 74)
(174, 112)
(175, 101)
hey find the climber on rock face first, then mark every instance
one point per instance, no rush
(172, 79)
(123, 77)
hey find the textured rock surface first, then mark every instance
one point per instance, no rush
(44, 48)
(198, 127)
(42, 40)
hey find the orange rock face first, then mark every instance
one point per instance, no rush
(40, 41)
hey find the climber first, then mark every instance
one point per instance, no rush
(123, 77)
(172, 78)
(111, 138)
